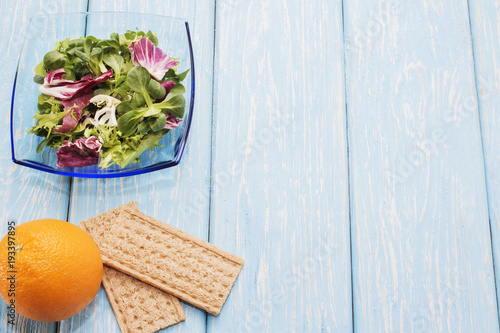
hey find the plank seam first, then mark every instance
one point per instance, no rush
(71, 179)
(69, 198)
(483, 157)
(212, 124)
(211, 139)
(348, 167)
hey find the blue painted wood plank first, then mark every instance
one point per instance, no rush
(25, 194)
(485, 25)
(178, 196)
(420, 235)
(280, 185)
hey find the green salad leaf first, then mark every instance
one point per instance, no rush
(47, 121)
(131, 96)
(115, 61)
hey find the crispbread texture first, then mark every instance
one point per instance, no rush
(99, 225)
(138, 306)
(163, 256)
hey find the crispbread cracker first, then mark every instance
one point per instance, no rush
(170, 259)
(98, 226)
(138, 307)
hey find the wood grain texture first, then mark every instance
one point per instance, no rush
(422, 258)
(25, 194)
(178, 196)
(279, 167)
(485, 25)
(420, 233)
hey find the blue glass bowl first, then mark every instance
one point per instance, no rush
(43, 32)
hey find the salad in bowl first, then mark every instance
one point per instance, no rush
(104, 107)
(106, 101)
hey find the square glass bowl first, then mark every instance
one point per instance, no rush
(44, 31)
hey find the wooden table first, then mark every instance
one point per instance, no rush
(348, 150)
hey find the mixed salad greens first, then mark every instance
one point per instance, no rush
(106, 101)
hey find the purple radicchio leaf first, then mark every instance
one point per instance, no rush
(172, 121)
(144, 53)
(75, 107)
(168, 85)
(54, 85)
(82, 152)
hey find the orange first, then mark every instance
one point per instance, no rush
(57, 270)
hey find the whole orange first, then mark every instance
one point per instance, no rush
(56, 269)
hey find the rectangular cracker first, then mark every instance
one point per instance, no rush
(165, 257)
(138, 306)
(99, 225)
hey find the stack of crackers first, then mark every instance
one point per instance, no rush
(150, 265)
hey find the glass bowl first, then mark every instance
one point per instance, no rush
(43, 32)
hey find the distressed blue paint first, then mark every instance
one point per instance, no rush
(280, 189)
(25, 194)
(420, 234)
(485, 24)
(178, 196)
(421, 249)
